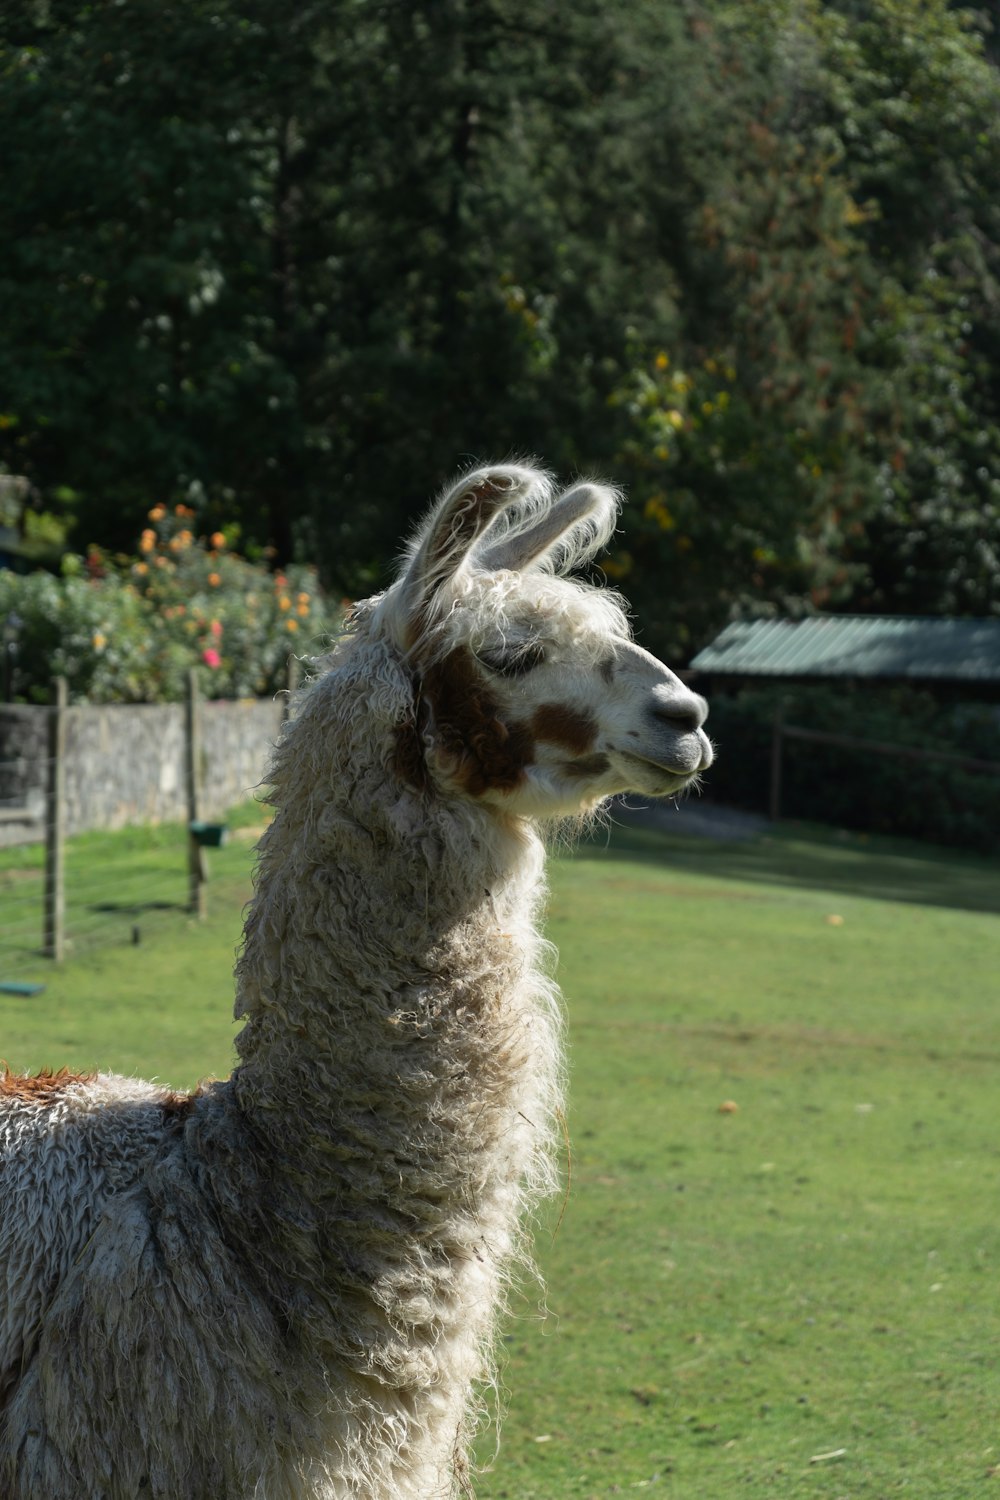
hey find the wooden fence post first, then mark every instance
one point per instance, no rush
(294, 678)
(54, 930)
(197, 872)
(774, 810)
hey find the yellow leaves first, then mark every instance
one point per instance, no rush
(618, 567)
(656, 510)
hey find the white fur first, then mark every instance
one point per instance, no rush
(289, 1284)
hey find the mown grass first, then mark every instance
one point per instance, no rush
(732, 1296)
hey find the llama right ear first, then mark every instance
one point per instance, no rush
(445, 543)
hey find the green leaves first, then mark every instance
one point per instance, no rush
(298, 268)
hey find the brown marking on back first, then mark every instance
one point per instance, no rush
(570, 728)
(176, 1106)
(487, 753)
(41, 1088)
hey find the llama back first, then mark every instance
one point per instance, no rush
(68, 1143)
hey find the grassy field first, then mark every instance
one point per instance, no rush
(795, 1296)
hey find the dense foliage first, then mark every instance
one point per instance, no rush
(855, 788)
(129, 629)
(294, 267)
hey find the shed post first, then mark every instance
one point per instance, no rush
(777, 735)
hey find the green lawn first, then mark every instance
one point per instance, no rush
(795, 1297)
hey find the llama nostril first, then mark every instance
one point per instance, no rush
(685, 714)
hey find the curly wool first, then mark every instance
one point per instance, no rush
(287, 1285)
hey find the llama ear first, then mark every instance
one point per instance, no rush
(554, 538)
(446, 541)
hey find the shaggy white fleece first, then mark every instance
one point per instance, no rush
(288, 1284)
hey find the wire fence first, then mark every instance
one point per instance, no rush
(63, 894)
(113, 887)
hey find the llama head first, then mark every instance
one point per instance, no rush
(529, 693)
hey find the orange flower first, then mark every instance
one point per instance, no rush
(291, 624)
(147, 541)
(142, 569)
(157, 513)
(302, 608)
(284, 603)
(217, 540)
(214, 579)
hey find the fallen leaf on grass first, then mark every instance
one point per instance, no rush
(826, 1458)
(728, 1107)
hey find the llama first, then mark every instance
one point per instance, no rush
(287, 1284)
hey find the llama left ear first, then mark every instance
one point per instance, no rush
(445, 543)
(560, 536)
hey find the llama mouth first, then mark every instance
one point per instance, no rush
(668, 779)
(676, 772)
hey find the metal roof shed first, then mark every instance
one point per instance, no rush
(912, 648)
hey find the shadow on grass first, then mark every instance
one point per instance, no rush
(134, 908)
(805, 855)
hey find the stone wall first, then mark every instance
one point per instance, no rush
(125, 763)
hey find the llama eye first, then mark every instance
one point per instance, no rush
(516, 662)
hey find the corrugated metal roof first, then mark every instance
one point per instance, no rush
(857, 646)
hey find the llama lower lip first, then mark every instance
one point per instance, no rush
(657, 765)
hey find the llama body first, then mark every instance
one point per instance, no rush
(287, 1285)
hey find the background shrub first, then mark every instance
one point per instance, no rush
(128, 629)
(853, 788)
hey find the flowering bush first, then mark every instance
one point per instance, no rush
(129, 629)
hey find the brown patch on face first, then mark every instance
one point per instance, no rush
(487, 753)
(42, 1088)
(569, 728)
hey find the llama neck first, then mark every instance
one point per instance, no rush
(377, 951)
(400, 1055)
